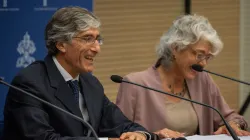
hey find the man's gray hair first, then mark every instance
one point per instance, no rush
(66, 23)
(186, 30)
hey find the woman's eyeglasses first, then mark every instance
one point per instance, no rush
(201, 56)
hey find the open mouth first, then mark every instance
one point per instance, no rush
(89, 58)
(193, 71)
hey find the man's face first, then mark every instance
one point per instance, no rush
(80, 53)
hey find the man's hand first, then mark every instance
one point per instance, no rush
(235, 127)
(133, 136)
(167, 133)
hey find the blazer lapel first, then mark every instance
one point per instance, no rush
(65, 95)
(194, 93)
(63, 92)
(88, 98)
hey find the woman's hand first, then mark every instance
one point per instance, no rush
(167, 133)
(235, 127)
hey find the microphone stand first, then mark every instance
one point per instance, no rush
(199, 68)
(245, 105)
(243, 82)
(53, 106)
(247, 102)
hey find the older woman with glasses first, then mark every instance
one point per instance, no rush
(190, 40)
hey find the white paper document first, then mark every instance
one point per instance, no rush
(215, 137)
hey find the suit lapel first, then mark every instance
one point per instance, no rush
(88, 98)
(65, 95)
(63, 92)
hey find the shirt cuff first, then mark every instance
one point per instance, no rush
(106, 138)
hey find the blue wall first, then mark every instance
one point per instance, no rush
(22, 24)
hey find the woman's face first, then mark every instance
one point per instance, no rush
(198, 53)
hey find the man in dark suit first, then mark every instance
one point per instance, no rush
(63, 79)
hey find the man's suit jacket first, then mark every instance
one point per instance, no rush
(27, 118)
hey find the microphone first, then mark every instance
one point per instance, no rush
(51, 105)
(199, 68)
(119, 79)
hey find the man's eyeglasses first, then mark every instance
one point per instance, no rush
(201, 56)
(90, 40)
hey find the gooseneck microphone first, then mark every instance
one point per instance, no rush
(53, 106)
(199, 68)
(119, 79)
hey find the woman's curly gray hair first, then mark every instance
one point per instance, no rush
(186, 30)
(66, 23)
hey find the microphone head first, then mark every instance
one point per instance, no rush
(116, 78)
(197, 67)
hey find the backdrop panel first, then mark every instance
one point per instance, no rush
(22, 26)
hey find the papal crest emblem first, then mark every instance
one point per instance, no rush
(25, 48)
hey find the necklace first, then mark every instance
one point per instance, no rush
(182, 93)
